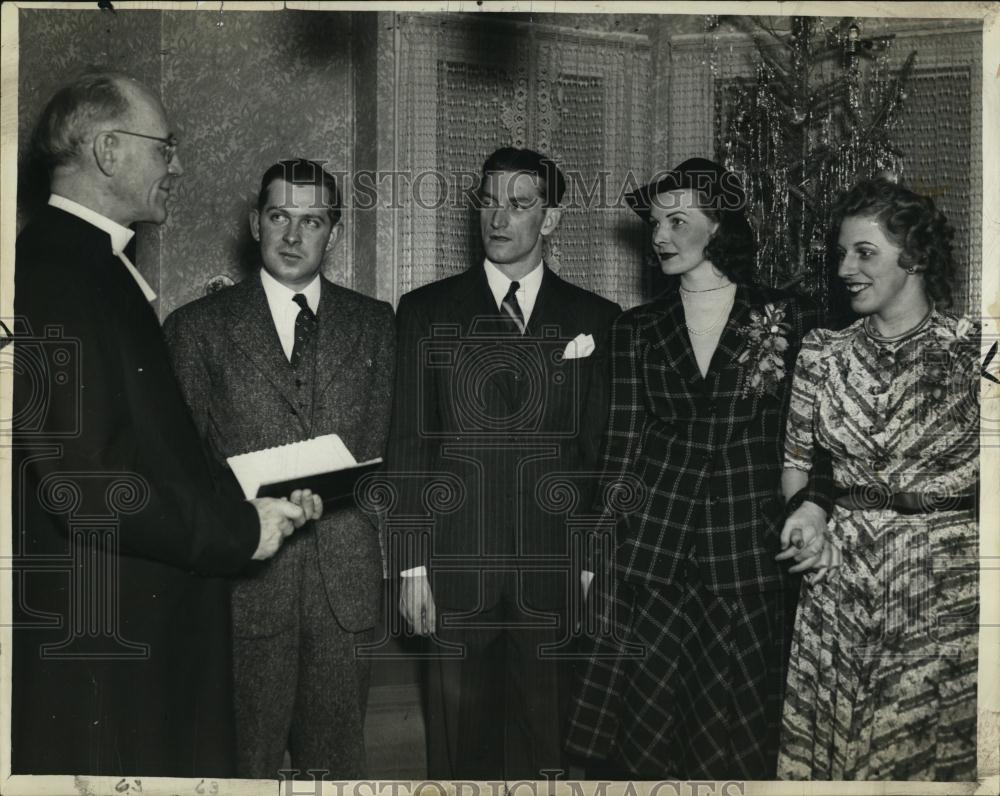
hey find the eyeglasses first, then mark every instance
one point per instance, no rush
(169, 143)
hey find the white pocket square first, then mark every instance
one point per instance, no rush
(580, 346)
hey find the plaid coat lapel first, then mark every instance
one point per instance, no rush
(710, 456)
(669, 335)
(731, 343)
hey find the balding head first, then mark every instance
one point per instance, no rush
(79, 110)
(106, 142)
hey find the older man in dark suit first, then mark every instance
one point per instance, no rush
(501, 398)
(287, 355)
(121, 660)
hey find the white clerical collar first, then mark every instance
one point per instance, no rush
(500, 283)
(279, 296)
(120, 236)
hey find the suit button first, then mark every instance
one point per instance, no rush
(715, 500)
(299, 382)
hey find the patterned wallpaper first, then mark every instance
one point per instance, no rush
(256, 88)
(263, 87)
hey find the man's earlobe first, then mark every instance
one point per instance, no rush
(106, 153)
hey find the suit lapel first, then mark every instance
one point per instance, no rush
(670, 335)
(732, 341)
(475, 308)
(545, 305)
(339, 333)
(554, 308)
(253, 332)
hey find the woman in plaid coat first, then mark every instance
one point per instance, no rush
(687, 657)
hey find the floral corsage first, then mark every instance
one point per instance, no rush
(763, 359)
(939, 364)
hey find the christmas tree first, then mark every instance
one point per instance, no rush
(817, 117)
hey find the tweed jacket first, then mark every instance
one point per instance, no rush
(708, 455)
(243, 395)
(115, 506)
(491, 431)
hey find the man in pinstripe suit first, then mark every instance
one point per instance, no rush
(500, 401)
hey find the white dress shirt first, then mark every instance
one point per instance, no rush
(284, 310)
(526, 293)
(120, 236)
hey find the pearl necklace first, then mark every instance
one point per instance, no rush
(723, 316)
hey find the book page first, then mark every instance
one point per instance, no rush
(295, 460)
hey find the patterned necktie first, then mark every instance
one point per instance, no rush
(511, 307)
(305, 329)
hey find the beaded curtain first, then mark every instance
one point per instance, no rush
(938, 130)
(470, 87)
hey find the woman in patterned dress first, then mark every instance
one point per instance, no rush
(882, 678)
(686, 668)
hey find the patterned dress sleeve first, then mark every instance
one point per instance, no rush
(800, 443)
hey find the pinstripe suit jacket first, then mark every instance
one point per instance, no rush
(709, 459)
(242, 393)
(491, 430)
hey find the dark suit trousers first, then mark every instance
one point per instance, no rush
(305, 689)
(497, 712)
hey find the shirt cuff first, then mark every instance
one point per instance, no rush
(414, 572)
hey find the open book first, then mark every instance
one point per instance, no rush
(322, 464)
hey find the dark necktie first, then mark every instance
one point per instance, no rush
(305, 329)
(511, 307)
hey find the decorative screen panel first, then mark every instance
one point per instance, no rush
(592, 110)
(469, 86)
(935, 130)
(473, 100)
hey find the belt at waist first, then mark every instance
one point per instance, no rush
(861, 498)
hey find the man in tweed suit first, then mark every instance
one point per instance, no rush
(500, 399)
(287, 355)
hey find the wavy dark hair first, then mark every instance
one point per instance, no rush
(550, 179)
(720, 195)
(912, 222)
(731, 249)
